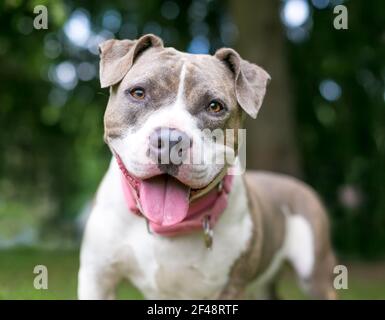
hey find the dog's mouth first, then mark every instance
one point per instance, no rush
(163, 199)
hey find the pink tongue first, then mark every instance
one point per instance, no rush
(164, 200)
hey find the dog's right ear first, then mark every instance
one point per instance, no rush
(250, 80)
(118, 56)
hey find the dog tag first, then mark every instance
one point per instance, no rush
(208, 233)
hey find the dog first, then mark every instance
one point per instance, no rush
(186, 230)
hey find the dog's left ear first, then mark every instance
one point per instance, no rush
(250, 80)
(118, 56)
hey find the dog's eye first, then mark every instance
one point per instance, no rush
(137, 93)
(215, 107)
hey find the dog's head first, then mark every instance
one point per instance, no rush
(167, 108)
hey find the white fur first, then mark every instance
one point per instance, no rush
(117, 245)
(299, 245)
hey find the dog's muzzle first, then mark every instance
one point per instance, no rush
(168, 147)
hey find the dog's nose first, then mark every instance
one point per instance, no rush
(169, 145)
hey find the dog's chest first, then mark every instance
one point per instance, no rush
(182, 267)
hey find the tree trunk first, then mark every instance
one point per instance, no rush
(271, 143)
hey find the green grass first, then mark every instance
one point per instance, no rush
(16, 275)
(366, 281)
(362, 284)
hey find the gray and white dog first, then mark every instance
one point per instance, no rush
(143, 226)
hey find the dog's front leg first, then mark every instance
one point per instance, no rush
(98, 273)
(96, 282)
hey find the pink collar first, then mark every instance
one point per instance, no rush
(203, 213)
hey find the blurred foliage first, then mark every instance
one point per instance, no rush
(51, 140)
(343, 141)
(52, 154)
